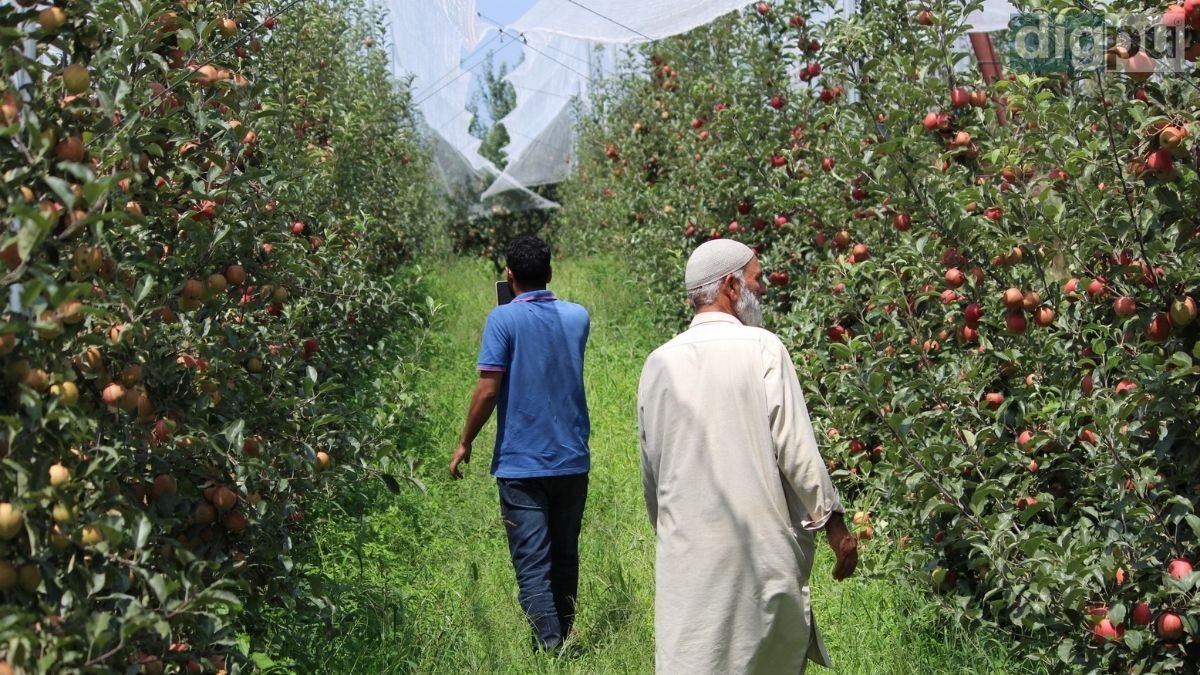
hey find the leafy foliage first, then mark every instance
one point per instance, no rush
(212, 209)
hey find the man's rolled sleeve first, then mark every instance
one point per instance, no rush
(495, 350)
(800, 463)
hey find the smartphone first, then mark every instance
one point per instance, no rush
(504, 294)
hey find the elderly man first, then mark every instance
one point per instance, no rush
(734, 484)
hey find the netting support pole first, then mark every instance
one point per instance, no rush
(989, 67)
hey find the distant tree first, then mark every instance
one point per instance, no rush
(498, 97)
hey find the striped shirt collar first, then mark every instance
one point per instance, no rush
(535, 296)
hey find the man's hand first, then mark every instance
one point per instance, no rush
(462, 455)
(483, 402)
(844, 545)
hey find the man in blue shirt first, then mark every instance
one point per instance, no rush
(531, 372)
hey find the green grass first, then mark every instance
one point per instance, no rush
(423, 582)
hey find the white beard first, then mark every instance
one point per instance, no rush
(749, 309)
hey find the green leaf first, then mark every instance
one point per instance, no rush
(158, 584)
(27, 240)
(61, 189)
(1066, 651)
(233, 432)
(143, 532)
(145, 285)
(98, 633)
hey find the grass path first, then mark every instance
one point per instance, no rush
(425, 581)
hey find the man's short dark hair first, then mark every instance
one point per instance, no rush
(529, 259)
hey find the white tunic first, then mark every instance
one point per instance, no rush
(735, 487)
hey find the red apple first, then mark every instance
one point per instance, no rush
(959, 98)
(955, 277)
(1160, 162)
(903, 221)
(1013, 298)
(1043, 316)
(1125, 306)
(1087, 436)
(1024, 438)
(1169, 626)
(1105, 630)
(994, 399)
(1171, 136)
(1088, 384)
(1179, 568)
(224, 499)
(762, 8)
(1141, 614)
(1183, 311)
(1015, 322)
(298, 228)
(1096, 288)
(972, 314)
(931, 121)
(234, 521)
(925, 18)
(1159, 328)
(827, 164)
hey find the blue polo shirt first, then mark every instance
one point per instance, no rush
(542, 424)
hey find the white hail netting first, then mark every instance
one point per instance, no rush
(555, 76)
(569, 46)
(425, 42)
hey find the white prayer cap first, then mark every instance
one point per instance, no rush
(714, 260)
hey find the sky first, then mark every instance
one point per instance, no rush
(503, 12)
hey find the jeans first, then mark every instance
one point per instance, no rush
(542, 517)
